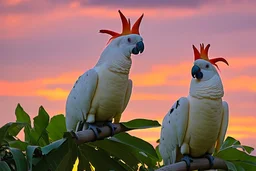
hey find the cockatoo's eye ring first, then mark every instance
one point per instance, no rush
(207, 66)
(129, 40)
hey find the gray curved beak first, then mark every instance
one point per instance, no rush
(196, 72)
(139, 48)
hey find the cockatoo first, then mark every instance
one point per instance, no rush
(103, 92)
(196, 125)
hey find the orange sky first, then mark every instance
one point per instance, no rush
(46, 45)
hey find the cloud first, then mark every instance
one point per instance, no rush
(159, 75)
(40, 5)
(175, 77)
(147, 3)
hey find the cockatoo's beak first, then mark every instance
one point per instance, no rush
(196, 72)
(139, 48)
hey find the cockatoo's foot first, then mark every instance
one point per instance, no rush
(73, 134)
(210, 158)
(79, 126)
(95, 129)
(111, 126)
(188, 160)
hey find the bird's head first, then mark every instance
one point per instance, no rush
(206, 81)
(129, 41)
(203, 68)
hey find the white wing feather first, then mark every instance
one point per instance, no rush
(173, 131)
(79, 100)
(224, 125)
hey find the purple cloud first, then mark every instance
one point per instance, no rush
(42, 6)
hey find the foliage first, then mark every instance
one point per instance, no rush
(237, 157)
(48, 146)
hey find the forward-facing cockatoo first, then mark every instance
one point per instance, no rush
(103, 92)
(196, 125)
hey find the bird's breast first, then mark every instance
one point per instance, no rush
(110, 94)
(205, 118)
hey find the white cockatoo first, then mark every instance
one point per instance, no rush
(103, 92)
(196, 125)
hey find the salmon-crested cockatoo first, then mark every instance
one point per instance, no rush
(196, 125)
(103, 92)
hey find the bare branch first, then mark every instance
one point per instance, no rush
(200, 163)
(89, 136)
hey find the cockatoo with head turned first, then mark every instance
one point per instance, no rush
(196, 125)
(103, 92)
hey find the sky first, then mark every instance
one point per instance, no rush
(45, 45)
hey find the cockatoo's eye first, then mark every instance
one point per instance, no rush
(207, 66)
(129, 39)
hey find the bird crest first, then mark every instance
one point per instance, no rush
(204, 55)
(126, 27)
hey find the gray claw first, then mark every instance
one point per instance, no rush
(210, 158)
(95, 129)
(73, 134)
(79, 126)
(188, 160)
(112, 127)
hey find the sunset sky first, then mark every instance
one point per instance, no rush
(45, 45)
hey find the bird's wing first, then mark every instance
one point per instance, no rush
(173, 131)
(79, 100)
(126, 100)
(224, 125)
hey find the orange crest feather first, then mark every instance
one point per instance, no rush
(203, 54)
(126, 27)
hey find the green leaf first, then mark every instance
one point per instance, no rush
(145, 152)
(99, 159)
(142, 168)
(41, 120)
(230, 166)
(158, 154)
(248, 149)
(18, 144)
(54, 145)
(236, 155)
(21, 115)
(83, 161)
(245, 165)
(19, 159)
(4, 166)
(38, 134)
(56, 127)
(233, 154)
(30, 152)
(135, 142)
(229, 142)
(62, 158)
(15, 128)
(4, 130)
(140, 124)
(118, 150)
(242, 147)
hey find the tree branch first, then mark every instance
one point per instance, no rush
(199, 163)
(89, 136)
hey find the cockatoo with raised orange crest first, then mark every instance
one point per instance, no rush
(103, 92)
(196, 125)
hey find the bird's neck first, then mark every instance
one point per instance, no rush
(121, 65)
(211, 89)
(116, 62)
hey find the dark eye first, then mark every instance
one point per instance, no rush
(207, 66)
(129, 40)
